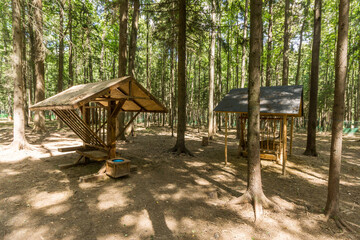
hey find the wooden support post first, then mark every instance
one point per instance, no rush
(226, 131)
(291, 134)
(128, 124)
(111, 130)
(284, 145)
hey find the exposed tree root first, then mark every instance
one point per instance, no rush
(181, 149)
(20, 145)
(38, 129)
(310, 152)
(258, 203)
(341, 224)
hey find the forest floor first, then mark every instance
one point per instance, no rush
(170, 196)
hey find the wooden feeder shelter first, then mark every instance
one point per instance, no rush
(90, 110)
(277, 105)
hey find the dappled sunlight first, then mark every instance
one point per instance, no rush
(170, 196)
(140, 222)
(39, 200)
(112, 197)
(39, 232)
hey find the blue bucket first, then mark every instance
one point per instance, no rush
(117, 160)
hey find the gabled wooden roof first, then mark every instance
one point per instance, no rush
(137, 97)
(276, 100)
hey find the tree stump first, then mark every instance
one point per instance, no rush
(205, 141)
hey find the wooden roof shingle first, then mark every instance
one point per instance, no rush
(137, 97)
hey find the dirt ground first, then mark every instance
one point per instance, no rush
(170, 197)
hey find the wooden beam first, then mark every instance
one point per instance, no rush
(226, 132)
(70, 149)
(128, 124)
(291, 134)
(118, 107)
(111, 128)
(284, 145)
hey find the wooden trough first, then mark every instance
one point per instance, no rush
(278, 104)
(90, 111)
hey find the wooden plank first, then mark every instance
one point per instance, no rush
(70, 149)
(111, 128)
(291, 134)
(96, 155)
(285, 149)
(94, 178)
(226, 132)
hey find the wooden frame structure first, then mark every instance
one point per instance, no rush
(90, 111)
(277, 105)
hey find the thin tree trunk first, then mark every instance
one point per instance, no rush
(71, 68)
(269, 45)
(148, 71)
(243, 53)
(212, 73)
(332, 204)
(306, 10)
(39, 119)
(285, 76)
(19, 141)
(219, 81)
(314, 81)
(61, 53)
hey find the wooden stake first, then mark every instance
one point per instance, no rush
(226, 131)
(291, 134)
(284, 145)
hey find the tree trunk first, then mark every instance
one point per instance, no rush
(148, 71)
(314, 80)
(61, 53)
(39, 119)
(123, 19)
(133, 38)
(181, 127)
(243, 57)
(71, 68)
(211, 73)
(285, 76)
(269, 46)
(332, 204)
(19, 141)
(306, 10)
(132, 48)
(254, 192)
(219, 82)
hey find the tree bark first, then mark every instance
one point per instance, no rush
(71, 68)
(306, 10)
(332, 204)
(211, 73)
(39, 119)
(254, 192)
(285, 76)
(314, 81)
(243, 57)
(132, 48)
(133, 38)
(181, 127)
(123, 19)
(269, 46)
(19, 141)
(61, 53)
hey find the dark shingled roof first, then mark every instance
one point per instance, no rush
(277, 100)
